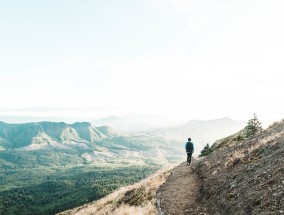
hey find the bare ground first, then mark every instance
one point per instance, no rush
(180, 194)
(246, 178)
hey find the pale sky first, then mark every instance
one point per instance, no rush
(199, 59)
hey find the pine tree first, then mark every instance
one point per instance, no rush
(206, 151)
(253, 126)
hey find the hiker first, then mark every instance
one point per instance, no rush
(189, 150)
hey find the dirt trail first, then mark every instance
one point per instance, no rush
(179, 195)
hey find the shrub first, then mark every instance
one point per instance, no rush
(239, 138)
(207, 150)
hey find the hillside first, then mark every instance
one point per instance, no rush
(82, 140)
(50, 133)
(139, 198)
(246, 178)
(239, 178)
(48, 167)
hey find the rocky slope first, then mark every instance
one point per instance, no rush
(246, 177)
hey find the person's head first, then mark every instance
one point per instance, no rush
(189, 139)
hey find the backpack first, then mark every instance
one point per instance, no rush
(189, 147)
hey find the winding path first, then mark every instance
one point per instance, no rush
(179, 195)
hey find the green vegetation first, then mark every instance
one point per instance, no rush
(207, 150)
(253, 126)
(239, 138)
(64, 189)
(53, 180)
(49, 167)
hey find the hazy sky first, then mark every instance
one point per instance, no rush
(201, 59)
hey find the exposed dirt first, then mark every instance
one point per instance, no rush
(246, 178)
(180, 194)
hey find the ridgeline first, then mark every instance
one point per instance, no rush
(241, 177)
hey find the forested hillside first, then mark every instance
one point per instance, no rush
(49, 167)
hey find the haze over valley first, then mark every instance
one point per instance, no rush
(37, 157)
(99, 95)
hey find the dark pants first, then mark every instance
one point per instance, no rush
(189, 154)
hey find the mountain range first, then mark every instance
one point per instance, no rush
(47, 167)
(237, 177)
(87, 142)
(91, 143)
(20, 136)
(58, 166)
(200, 131)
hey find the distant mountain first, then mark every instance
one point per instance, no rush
(47, 167)
(201, 131)
(16, 136)
(208, 129)
(91, 142)
(58, 166)
(136, 122)
(237, 178)
(84, 141)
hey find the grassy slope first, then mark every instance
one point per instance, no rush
(138, 198)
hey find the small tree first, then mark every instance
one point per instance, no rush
(253, 126)
(240, 137)
(206, 151)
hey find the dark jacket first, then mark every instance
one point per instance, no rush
(189, 147)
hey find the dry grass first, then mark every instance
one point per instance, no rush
(247, 177)
(114, 203)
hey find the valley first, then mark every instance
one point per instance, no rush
(48, 167)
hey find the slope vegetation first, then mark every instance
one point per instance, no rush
(48, 167)
(241, 178)
(246, 177)
(139, 198)
(36, 144)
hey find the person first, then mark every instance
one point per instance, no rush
(189, 147)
